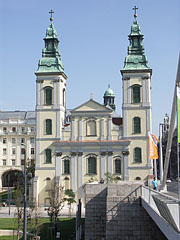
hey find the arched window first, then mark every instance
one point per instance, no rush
(136, 125)
(66, 166)
(91, 128)
(136, 94)
(48, 156)
(48, 184)
(66, 183)
(64, 97)
(137, 155)
(48, 127)
(137, 178)
(48, 95)
(91, 165)
(117, 169)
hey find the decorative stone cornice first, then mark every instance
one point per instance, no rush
(125, 153)
(125, 78)
(79, 154)
(39, 81)
(58, 154)
(73, 154)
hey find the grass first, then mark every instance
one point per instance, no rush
(66, 226)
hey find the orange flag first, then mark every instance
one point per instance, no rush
(153, 148)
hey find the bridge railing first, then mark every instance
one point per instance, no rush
(164, 206)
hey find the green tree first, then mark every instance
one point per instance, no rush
(70, 199)
(109, 178)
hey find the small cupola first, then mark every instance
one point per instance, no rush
(109, 98)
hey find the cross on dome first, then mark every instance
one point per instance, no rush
(135, 14)
(51, 12)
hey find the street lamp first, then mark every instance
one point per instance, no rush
(25, 198)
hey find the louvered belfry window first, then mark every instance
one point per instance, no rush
(137, 125)
(137, 155)
(48, 96)
(48, 155)
(136, 94)
(48, 126)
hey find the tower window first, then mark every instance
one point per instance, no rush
(48, 96)
(137, 155)
(136, 94)
(137, 125)
(66, 166)
(117, 169)
(48, 155)
(48, 127)
(64, 97)
(91, 165)
(91, 128)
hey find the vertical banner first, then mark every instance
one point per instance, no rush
(178, 114)
(153, 148)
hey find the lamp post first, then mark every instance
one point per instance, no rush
(25, 198)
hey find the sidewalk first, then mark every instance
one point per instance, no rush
(4, 212)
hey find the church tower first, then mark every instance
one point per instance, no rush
(136, 104)
(50, 111)
(109, 98)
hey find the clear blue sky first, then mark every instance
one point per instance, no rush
(93, 44)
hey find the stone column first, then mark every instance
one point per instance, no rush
(73, 130)
(58, 91)
(103, 164)
(125, 153)
(79, 173)
(38, 93)
(80, 129)
(109, 128)
(55, 92)
(35, 189)
(41, 93)
(73, 171)
(58, 164)
(102, 128)
(110, 165)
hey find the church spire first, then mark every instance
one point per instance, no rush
(136, 58)
(51, 57)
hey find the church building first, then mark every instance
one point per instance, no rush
(75, 146)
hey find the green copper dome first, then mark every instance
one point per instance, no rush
(109, 92)
(51, 58)
(109, 98)
(136, 58)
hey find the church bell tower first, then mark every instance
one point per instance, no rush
(50, 110)
(136, 104)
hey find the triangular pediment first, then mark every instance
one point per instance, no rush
(92, 106)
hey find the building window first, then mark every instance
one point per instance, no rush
(22, 161)
(13, 151)
(13, 162)
(22, 150)
(91, 165)
(64, 97)
(66, 166)
(137, 125)
(48, 127)
(13, 140)
(4, 151)
(22, 140)
(117, 166)
(4, 140)
(137, 155)
(32, 151)
(48, 155)
(48, 96)
(4, 129)
(48, 184)
(32, 129)
(4, 162)
(23, 129)
(136, 94)
(13, 129)
(31, 140)
(91, 128)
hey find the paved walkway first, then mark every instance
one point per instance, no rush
(4, 212)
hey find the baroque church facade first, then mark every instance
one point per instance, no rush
(72, 147)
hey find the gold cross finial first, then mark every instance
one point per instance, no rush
(51, 12)
(135, 14)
